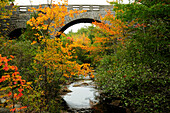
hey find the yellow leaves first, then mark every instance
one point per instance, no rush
(29, 83)
(4, 88)
(44, 27)
(4, 44)
(33, 27)
(36, 34)
(40, 77)
(30, 23)
(56, 55)
(50, 18)
(33, 20)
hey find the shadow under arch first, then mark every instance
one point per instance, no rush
(16, 33)
(77, 21)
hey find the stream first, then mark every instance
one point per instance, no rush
(82, 96)
(83, 99)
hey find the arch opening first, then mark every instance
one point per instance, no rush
(77, 21)
(16, 33)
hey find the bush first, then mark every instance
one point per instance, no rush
(138, 72)
(124, 75)
(23, 53)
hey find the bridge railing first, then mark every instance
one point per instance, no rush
(24, 8)
(89, 7)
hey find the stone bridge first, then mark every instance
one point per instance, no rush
(18, 20)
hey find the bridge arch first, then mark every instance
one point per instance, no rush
(15, 33)
(22, 15)
(77, 21)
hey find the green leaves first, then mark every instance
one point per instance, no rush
(138, 70)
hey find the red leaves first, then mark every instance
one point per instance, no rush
(2, 78)
(9, 93)
(126, 76)
(12, 110)
(140, 25)
(16, 68)
(20, 90)
(4, 62)
(13, 78)
(6, 68)
(15, 82)
(20, 94)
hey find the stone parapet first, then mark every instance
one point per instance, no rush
(22, 15)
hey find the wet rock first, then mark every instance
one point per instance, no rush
(76, 85)
(80, 85)
(2, 100)
(64, 106)
(82, 110)
(115, 102)
(4, 110)
(128, 110)
(84, 84)
(92, 103)
(64, 91)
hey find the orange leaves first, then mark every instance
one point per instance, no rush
(114, 28)
(4, 62)
(66, 75)
(11, 56)
(18, 109)
(100, 39)
(23, 107)
(33, 42)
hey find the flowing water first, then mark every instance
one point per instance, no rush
(82, 95)
(82, 99)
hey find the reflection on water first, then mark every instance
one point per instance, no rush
(81, 95)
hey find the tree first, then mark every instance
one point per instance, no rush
(5, 13)
(54, 58)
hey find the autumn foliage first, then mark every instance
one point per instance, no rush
(11, 83)
(55, 60)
